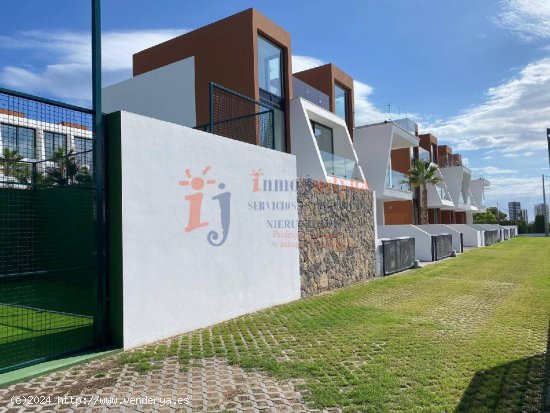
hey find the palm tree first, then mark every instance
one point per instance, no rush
(67, 170)
(420, 176)
(12, 167)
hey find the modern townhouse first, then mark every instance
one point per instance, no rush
(234, 78)
(457, 179)
(195, 80)
(439, 198)
(385, 152)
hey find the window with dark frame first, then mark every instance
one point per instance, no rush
(270, 67)
(341, 101)
(54, 141)
(271, 84)
(82, 147)
(324, 136)
(19, 139)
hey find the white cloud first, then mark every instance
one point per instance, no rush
(512, 119)
(66, 57)
(519, 187)
(301, 63)
(528, 18)
(494, 170)
(365, 111)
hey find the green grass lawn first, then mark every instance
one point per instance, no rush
(466, 335)
(27, 334)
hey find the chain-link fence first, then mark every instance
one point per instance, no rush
(48, 276)
(239, 117)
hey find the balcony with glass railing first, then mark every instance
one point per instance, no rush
(423, 155)
(397, 180)
(408, 124)
(340, 167)
(448, 161)
(303, 90)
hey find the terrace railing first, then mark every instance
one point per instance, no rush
(239, 117)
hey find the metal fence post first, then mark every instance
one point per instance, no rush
(99, 324)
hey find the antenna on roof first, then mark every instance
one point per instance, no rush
(389, 110)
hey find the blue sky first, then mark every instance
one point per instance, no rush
(474, 73)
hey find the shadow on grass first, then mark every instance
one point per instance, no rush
(519, 386)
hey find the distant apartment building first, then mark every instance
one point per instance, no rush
(514, 211)
(524, 216)
(34, 139)
(539, 210)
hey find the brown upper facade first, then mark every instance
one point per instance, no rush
(251, 55)
(337, 85)
(226, 52)
(428, 142)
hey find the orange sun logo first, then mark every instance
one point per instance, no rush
(197, 183)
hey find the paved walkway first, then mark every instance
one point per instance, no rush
(209, 385)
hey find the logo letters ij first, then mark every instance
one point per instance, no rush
(195, 206)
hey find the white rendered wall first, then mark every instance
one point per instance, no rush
(439, 229)
(453, 180)
(373, 147)
(176, 281)
(373, 144)
(422, 240)
(166, 93)
(471, 236)
(477, 188)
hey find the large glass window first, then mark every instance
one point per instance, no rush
(20, 139)
(53, 142)
(83, 145)
(341, 102)
(270, 67)
(324, 137)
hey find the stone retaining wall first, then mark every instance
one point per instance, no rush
(337, 238)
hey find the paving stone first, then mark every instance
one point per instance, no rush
(211, 386)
